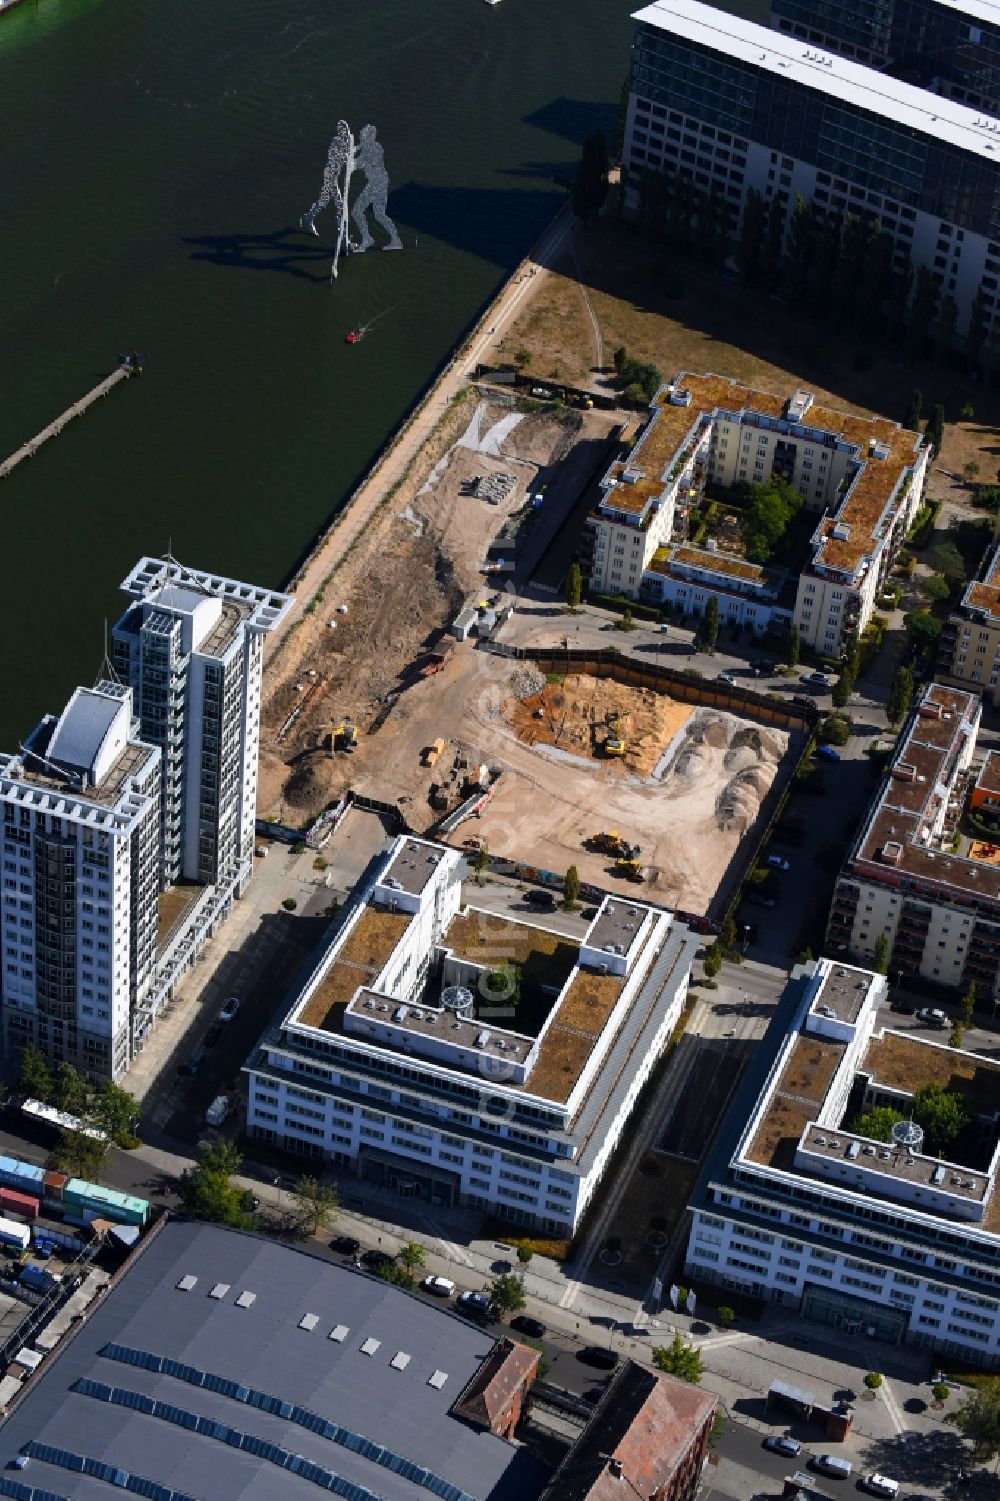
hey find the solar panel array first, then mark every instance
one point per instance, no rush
(21, 1492)
(99, 1469)
(277, 1407)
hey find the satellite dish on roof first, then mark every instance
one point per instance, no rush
(909, 1135)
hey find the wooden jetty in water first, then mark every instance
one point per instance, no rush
(128, 365)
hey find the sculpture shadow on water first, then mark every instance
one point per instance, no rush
(289, 250)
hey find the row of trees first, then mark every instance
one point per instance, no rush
(101, 1107)
(842, 271)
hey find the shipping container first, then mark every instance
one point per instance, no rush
(54, 1185)
(17, 1205)
(23, 1176)
(85, 1201)
(14, 1235)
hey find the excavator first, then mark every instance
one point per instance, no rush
(344, 736)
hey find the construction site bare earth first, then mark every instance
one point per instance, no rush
(681, 785)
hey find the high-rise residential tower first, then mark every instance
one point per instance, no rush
(191, 647)
(79, 844)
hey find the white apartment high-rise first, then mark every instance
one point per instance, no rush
(79, 845)
(191, 647)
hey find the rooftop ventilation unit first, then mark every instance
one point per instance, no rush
(482, 1038)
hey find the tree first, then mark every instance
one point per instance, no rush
(707, 633)
(970, 471)
(208, 1192)
(880, 958)
(934, 588)
(34, 1080)
(412, 1256)
(115, 1110)
(573, 588)
(391, 1271)
(571, 887)
(524, 1254)
(726, 1315)
(940, 1391)
(316, 1203)
(920, 314)
(835, 730)
(945, 557)
(877, 1124)
(978, 1420)
(800, 247)
(967, 1005)
(873, 1381)
(73, 1092)
(481, 861)
(900, 696)
(792, 646)
(945, 331)
(750, 246)
(590, 186)
(79, 1155)
(851, 655)
(712, 961)
(626, 623)
(934, 431)
(842, 690)
(921, 628)
(914, 411)
(768, 512)
(506, 1293)
(943, 1114)
(957, 1034)
(679, 1359)
(975, 335)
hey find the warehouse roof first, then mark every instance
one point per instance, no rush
(213, 1323)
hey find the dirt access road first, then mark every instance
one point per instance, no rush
(396, 462)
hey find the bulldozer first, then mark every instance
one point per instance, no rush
(628, 867)
(608, 840)
(615, 743)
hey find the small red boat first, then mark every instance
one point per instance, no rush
(354, 336)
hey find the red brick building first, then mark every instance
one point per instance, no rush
(647, 1441)
(494, 1398)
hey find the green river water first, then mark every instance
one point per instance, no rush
(157, 156)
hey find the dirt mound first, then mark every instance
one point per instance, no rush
(305, 786)
(579, 715)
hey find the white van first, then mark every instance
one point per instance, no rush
(217, 1111)
(832, 1464)
(880, 1485)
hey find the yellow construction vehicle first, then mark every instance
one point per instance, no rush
(630, 869)
(615, 746)
(615, 743)
(344, 736)
(608, 840)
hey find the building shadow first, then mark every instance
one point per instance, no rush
(574, 119)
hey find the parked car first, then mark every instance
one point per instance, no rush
(194, 1063)
(593, 1394)
(779, 1444)
(827, 753)
(778, 862)
(230, 1009)
(931, 1016)
(903, 1007)
(760, 899)
(726, 677)
(605, 1360)
(441, 1287)
(815, 679)
(832, 1464)
(212, 1035)
(880, 1485)
(805, 701)
(524, 1324)
(345, 1245)
(473, 1305)
(374, 1259)
(538, 898)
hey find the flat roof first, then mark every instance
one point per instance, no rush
(900, 1061)
(862, 1154)
(581, 1018)
(893, 845)
(843, 992)
(988, 779)
(618, 923)
(905, 105)
(358, 961)
(262, 608)
(300, 1335)
(413, 866)
(795, 1099)
(983, 594)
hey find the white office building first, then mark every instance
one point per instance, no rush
(730, 106)
(79, 845)
(465, 1058)
(191, 646)
(882, 1239)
